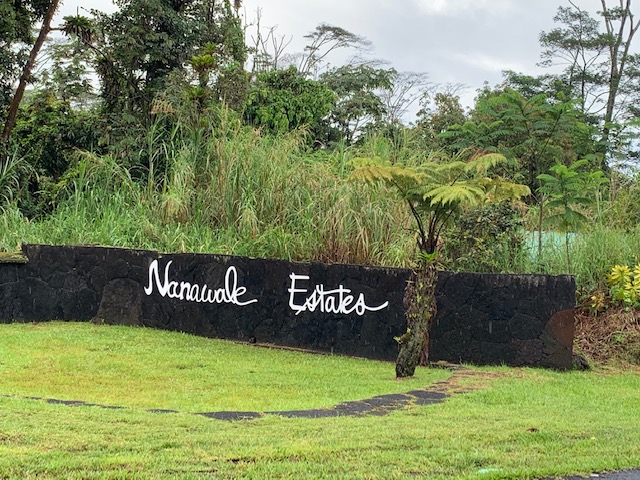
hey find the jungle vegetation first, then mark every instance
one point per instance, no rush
(172, 125)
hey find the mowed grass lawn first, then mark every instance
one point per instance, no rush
(523, 423)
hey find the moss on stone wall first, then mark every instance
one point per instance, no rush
(13, 257)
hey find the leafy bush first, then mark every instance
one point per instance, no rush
(488, 238)
(284, 100)
(625, 285)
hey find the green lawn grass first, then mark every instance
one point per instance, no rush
(525, 423)
(138, 367)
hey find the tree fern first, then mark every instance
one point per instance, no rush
(436, 191)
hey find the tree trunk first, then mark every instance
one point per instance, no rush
(619, 56)
(26, 72)
(566, 245)
(540, 222)
(420, 303)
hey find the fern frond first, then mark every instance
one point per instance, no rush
(482, 164)
(459, 193)
(371, 174)
(397, 175)
(498, 189)
(360, 162)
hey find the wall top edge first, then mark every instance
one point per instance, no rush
(27, 247)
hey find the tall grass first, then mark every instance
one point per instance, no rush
(214, 185)
(210, 184)
(12, 168)
(593, 253)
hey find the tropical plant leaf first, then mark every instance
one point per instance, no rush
(498, 189)
(399, 176)
(482, 164)
(459, 193)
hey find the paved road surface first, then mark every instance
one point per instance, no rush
(626, 475)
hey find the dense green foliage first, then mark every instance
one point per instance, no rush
(536, 132)
(489, 237)
(283, 100)
(144, 41)
(192, 140)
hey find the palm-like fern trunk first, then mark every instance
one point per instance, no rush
(420, 303)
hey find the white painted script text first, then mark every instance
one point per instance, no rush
(230, 292)
(339, 300)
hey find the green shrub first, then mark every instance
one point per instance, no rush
(489, 238)
(625, 285)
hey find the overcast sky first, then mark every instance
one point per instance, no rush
(454, 41)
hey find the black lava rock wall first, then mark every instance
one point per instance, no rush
(504, 319)
(345, 309)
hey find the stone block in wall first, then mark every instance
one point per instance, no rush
(121, 303)
(68, 282)
(518, 320)
(9, 288)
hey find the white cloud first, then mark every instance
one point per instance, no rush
(84, 7)
(452, 7)
(488, 63)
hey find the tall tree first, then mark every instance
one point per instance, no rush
(579, 47)
(600, 67)
(439, 111)
(17, 23)
(145, 40)
(621, 27)
(358, 102)
(406, 89)
(324, 40)
(267, 47)
(26, 71)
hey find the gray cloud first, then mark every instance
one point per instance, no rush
(462, 41)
